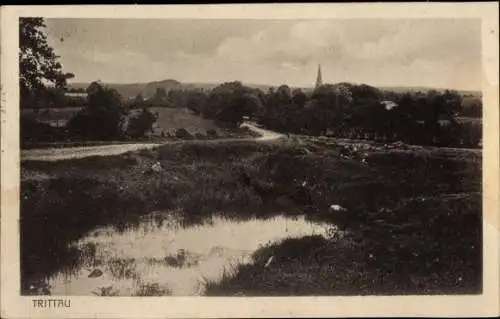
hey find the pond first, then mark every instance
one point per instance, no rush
(161, 257)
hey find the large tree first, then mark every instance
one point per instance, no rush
(104, 117)
(141, 124)
(160, 94)
(229, 102)
(39, 69)
(328, 107)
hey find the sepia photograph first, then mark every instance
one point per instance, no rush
(249, 157)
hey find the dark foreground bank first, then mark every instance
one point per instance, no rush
(413, 217)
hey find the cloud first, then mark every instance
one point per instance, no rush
(424, 49)
(380, 52)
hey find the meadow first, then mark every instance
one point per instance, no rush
(170, 119)
(410, 224)
(57, 117)
(164, 129)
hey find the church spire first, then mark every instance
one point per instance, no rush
(319, 80)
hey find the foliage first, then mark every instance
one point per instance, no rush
(342, 110)
(141, 124)
(38, 65)
(211, 133)
(229, 102)
(160, 94)
(195, 101)
(408, 226)
(360, 111)
(139, 98)
(471, 107)
(182, 133)
(32, 130)
(104, 116)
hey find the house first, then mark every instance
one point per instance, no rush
(76, 95)
(75, 99)
(389, 105)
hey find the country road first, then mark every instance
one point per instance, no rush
(57, 154)
(265, 135)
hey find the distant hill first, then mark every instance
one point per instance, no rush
(148, 89)
(132, 89)
(401, 89)
(208, 86)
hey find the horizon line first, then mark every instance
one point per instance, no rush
(277, 85)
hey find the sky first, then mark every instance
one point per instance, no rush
(441, 53)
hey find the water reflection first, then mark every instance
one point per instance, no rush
(168, 259)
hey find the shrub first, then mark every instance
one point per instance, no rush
(182, 133)
(32, 130)
(104, 116)
(211, 133)
(199, 136)
(152, 289)
(142, 123)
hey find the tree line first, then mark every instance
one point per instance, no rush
(343, 110)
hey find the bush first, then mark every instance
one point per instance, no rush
(182, 133)
(33, 131)
(199, 136)
(471, 134)
(211, 133)
(141, 124)
(104, 116)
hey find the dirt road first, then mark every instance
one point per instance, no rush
(266, 135)
(56, 154)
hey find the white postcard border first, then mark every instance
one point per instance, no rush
(15, 306)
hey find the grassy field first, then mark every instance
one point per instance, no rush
(411, 225)
(168, 122)
(170, 119)
(52, 116)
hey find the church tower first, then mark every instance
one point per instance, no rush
(319, 80)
